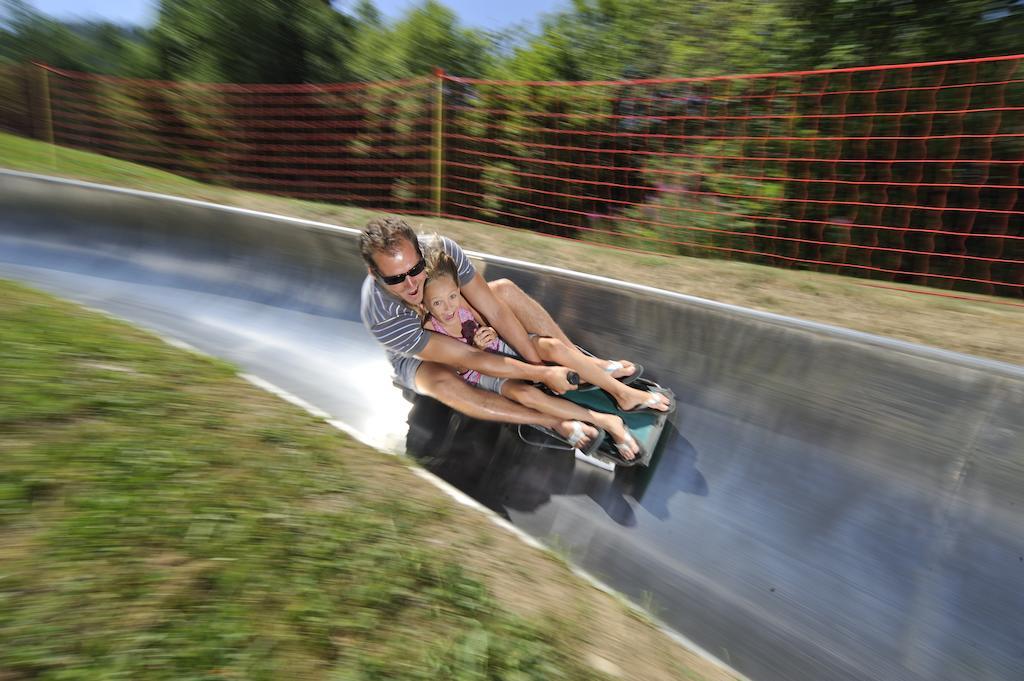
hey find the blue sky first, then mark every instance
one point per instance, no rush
(475, 13)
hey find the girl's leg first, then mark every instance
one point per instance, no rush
(557, 352)
(535, 319)
(622, 367)
(538, 400)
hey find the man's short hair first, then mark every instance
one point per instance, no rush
(385, 235)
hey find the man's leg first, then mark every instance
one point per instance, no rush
(444, 385)
(535, 319)
(570, 411)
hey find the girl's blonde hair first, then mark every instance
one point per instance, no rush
(439, 264)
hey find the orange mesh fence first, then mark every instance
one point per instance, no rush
(906, 174)
(16, 111)
(362, 144)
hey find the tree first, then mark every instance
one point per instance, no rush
(613, 39)
(839, 33)
(427, 36)
(253, 41)
(97, 47)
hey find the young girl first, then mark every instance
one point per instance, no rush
(446, 311)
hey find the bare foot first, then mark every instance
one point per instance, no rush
(577, 433)
(620, 435)
(619, 368)
(630, 398)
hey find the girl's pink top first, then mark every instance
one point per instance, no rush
(470, 376)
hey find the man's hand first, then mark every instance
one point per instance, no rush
(446, 350)
(484, 336)
(557, 379)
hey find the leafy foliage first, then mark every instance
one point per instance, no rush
(290, 41)
(97, 47)
(614, 39)
(228, 41)
(428, 36)
(839, 33)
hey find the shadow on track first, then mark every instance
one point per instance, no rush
(490, 463)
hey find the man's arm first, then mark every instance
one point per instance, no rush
(446, 350)
(498, 315)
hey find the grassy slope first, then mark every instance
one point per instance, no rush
(162, 519)
(981, 326)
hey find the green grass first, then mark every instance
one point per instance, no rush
(161, 519)
(19, 153)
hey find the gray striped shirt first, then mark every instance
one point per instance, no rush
(393, 323)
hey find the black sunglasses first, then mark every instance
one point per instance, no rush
(399, 278)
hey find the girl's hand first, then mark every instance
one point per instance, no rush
(484, 336)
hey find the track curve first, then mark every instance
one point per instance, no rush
(827, 504)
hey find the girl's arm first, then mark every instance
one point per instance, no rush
(454, 353)
(479, 294)
(485, 334)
